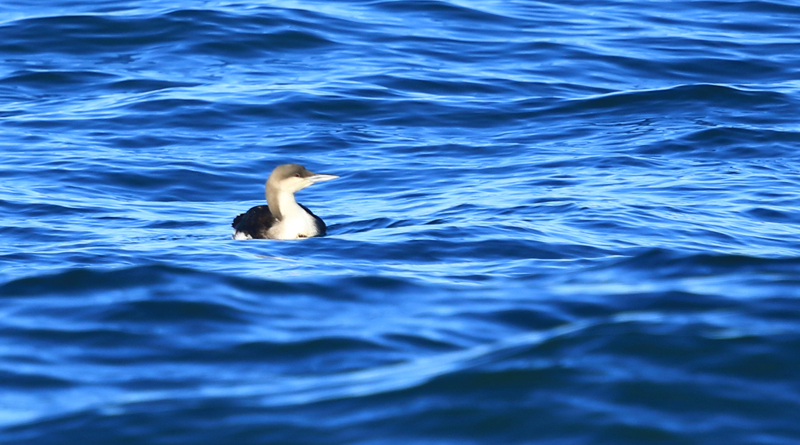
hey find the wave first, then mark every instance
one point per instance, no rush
(569, 366)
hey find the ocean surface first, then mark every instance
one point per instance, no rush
(555, 222)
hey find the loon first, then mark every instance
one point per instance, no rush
(282, 218)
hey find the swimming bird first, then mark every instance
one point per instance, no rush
(282, 217)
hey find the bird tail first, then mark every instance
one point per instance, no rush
(236, 220)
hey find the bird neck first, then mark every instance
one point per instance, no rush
(282, 204)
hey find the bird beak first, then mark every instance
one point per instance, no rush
(318, 177)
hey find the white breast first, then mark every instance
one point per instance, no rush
(296, 224)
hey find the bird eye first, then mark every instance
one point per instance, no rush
(297, 175)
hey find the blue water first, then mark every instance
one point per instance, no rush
(556, 223)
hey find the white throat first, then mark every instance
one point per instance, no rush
(295, 222)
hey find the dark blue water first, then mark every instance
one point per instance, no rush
(556, 223)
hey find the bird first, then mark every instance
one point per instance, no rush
(283, 218)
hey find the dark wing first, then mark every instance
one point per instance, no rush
(256, 222)
(320, 223)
